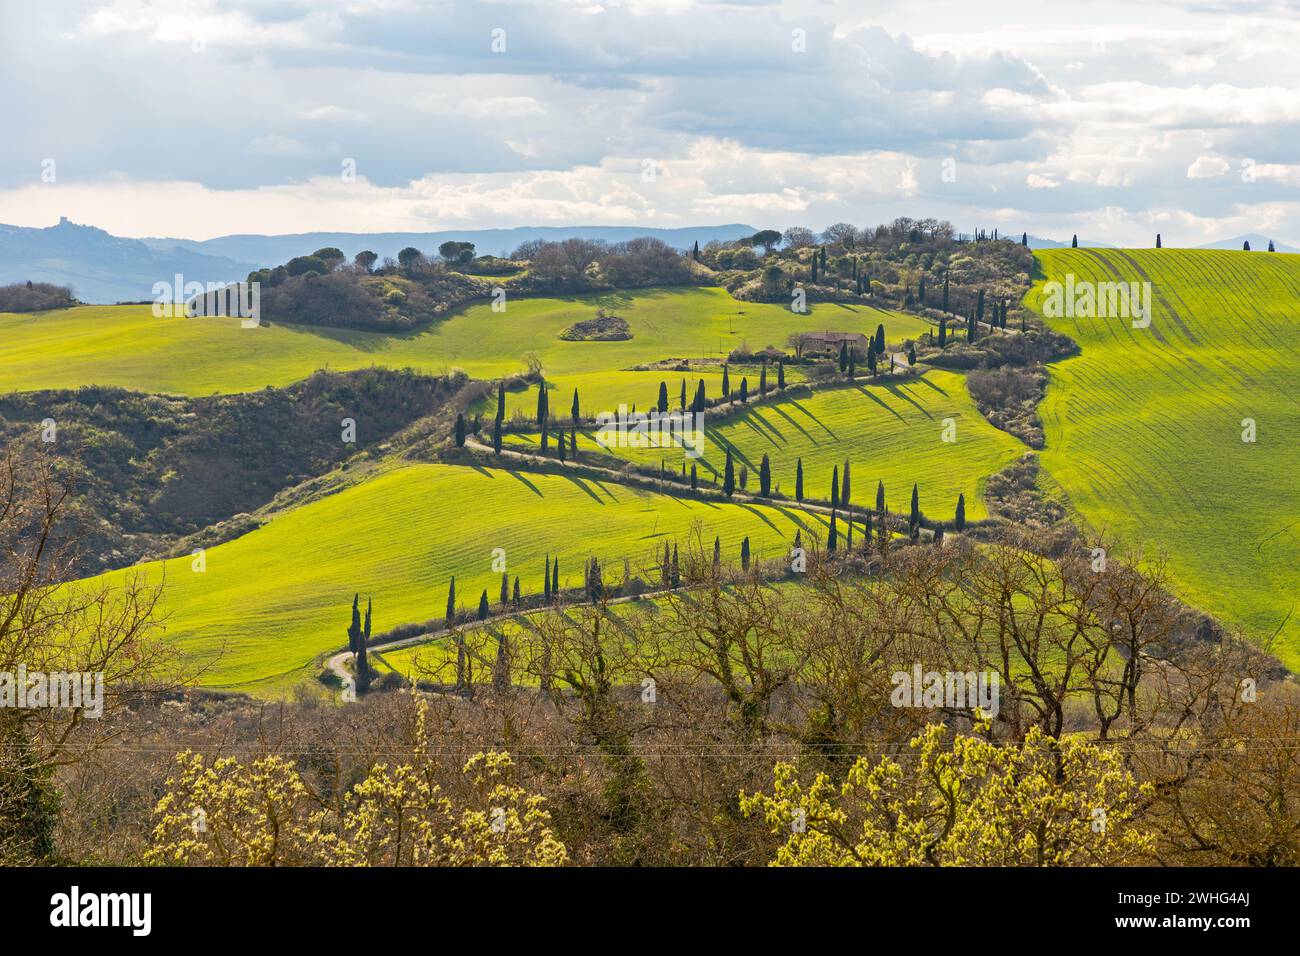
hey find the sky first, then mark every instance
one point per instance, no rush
(199, 118)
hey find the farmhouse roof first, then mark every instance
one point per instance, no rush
(837, 336)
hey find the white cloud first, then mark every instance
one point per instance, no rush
(1057, 123)
(1207, 167)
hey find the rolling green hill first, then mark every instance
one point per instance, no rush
(1144, 428)
(128, 346)
(890, 432)
(272, 600)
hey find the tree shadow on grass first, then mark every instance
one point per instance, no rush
(805, 520)
(801, 408)
(787, 416)
(764, 430)
(737, 455)
(594, 445)
(587, 488)
(761, 516)
(898, 391)
(526, 483)
(924, 380)
(879, 401)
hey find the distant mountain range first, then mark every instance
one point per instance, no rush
(273, 250)
(104, 268)
(1038, 242)
(1258, 243)
(101, 267)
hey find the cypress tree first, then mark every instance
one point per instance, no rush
(694, 479)
(695, 251)
(676, 579)
(663, 397)
(823, 248)
(1024, 239)
(1270, 246)
(911, 355)
(496, 437)
(744, 554)
(505, 589)
(880, 496)
(682, 400)
(1245, 246)
(798, 479)
(541, 403)
(853, 364)
(516, 594)
(483, 609)
(729, 476)
(938, 534)
(943, 332)
(959, 521)
(459, 431)
(354, 642)
(701, 400)
(364, 674)
(546, 581)
(844, 357)
(780, 374)
(451, 604)
(573, 443)
(354, 628)
(879, 342)
(832, 537)
(559, 446)
(914, 519)
(871, 361)
(1157, 240)
(845, 487)
(979, 308)
(717, 552)
(726, 383)
(501, 401)
(575, 409)
(555, 578)
(546, 435)
(1074, 242)
(765, 478)
(835, 487)
(762, 379)
(945, 293)
(666, 568)
(744, 390)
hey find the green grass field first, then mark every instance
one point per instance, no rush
(890, 432)
(127, 346)
(271, 601)
(1144, 428)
